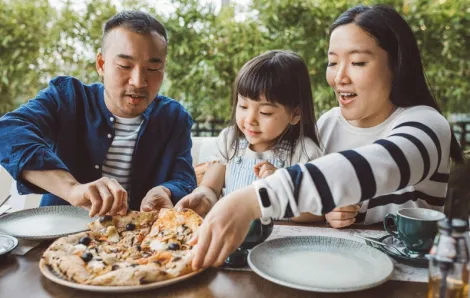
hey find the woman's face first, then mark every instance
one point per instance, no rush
(359, 74)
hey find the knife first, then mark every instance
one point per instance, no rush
(4, 201)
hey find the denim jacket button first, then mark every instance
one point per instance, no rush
(238, 160)
(97, 167)
(109, 136)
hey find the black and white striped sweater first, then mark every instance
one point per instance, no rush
(403, 162)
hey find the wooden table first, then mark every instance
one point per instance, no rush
(20, 277)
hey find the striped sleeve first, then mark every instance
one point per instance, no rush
(415, 150)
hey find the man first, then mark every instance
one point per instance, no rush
(104, 146)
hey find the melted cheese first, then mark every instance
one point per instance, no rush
(79, 247)
(158, 245)
(112, 234)
(95, 265)
(180, 219)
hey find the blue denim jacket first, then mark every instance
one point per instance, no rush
(68, 126)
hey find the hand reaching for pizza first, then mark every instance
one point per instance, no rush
(342, 216)
(224, 228)
(201, 200)
(156, 199)
(102, 196)
(264, 169)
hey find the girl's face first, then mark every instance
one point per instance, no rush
(359, 74)
(262, 122)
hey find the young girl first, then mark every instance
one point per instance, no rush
(272, 126)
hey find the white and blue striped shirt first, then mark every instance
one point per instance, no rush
(403, 162)
(118, 161)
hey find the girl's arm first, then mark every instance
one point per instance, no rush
(204, 197)
(213, 181)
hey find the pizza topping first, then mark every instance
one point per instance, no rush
(105, 218)
(95, 265)
(157, 245)
(79, 248)
(87, 257)
(130, 227)
(180, 219)
(173, 246)
(112, 234)
(85, 240)
(114, 267)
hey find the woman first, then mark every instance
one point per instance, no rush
(403, 144)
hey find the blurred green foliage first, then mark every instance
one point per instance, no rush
(207, 48)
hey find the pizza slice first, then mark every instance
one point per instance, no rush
(172, 230)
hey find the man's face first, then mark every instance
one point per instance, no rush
(132, 66)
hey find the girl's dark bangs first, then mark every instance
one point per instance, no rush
(259, 80)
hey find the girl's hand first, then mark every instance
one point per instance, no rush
(201, 201)
(264, 169)
(342, 216)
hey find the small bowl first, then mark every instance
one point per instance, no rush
(7, 244)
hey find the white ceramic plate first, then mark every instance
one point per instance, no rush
(320, 264)
(7, 244)
(109, 289)
(45, 222)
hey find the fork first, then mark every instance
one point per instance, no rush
(382, 244)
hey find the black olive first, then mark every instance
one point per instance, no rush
(130, 227)
(173, 246)
(176, 259)
(105, 218)
(139, 248)
(85, 240)
(143, 281)
(114, 267)
(87, 257)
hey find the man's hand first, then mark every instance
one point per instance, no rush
(102, 196)
(224, 228)
(264, 169)
(342, 216)
(201, 200)
(156, 199)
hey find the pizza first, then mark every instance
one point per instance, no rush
(134, 249)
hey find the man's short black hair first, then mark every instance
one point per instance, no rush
(135, 21)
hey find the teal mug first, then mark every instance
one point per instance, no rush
(257, 234)
(416, 228)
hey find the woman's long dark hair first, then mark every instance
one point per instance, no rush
(281, 77)
(394, 35)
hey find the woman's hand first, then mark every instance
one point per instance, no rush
(342, 216)
(225, 228)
